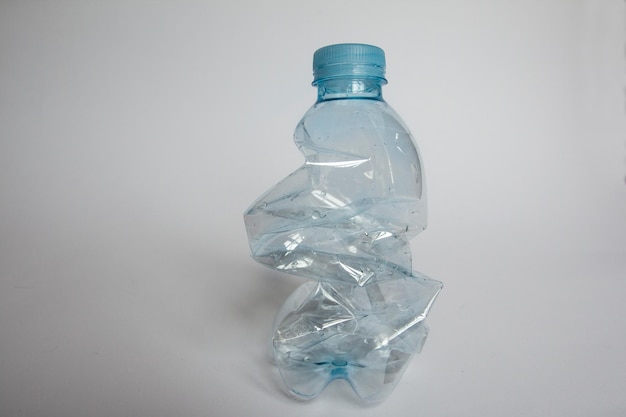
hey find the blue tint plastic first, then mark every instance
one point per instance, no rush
(343, 221)
(347, 60)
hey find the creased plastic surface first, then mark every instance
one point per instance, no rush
(344, 219)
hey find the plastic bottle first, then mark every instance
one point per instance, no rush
(343, 221)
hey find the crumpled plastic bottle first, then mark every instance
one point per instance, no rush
(343, 220)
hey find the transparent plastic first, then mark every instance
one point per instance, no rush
(343, 220)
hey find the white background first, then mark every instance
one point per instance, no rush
(133, 135)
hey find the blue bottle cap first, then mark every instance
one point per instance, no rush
(347, 60)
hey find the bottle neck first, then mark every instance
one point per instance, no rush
(350, 88)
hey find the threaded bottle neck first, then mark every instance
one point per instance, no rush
(349, 88)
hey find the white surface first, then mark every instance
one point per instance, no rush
(134, 134)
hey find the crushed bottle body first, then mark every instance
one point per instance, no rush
(343, 220)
